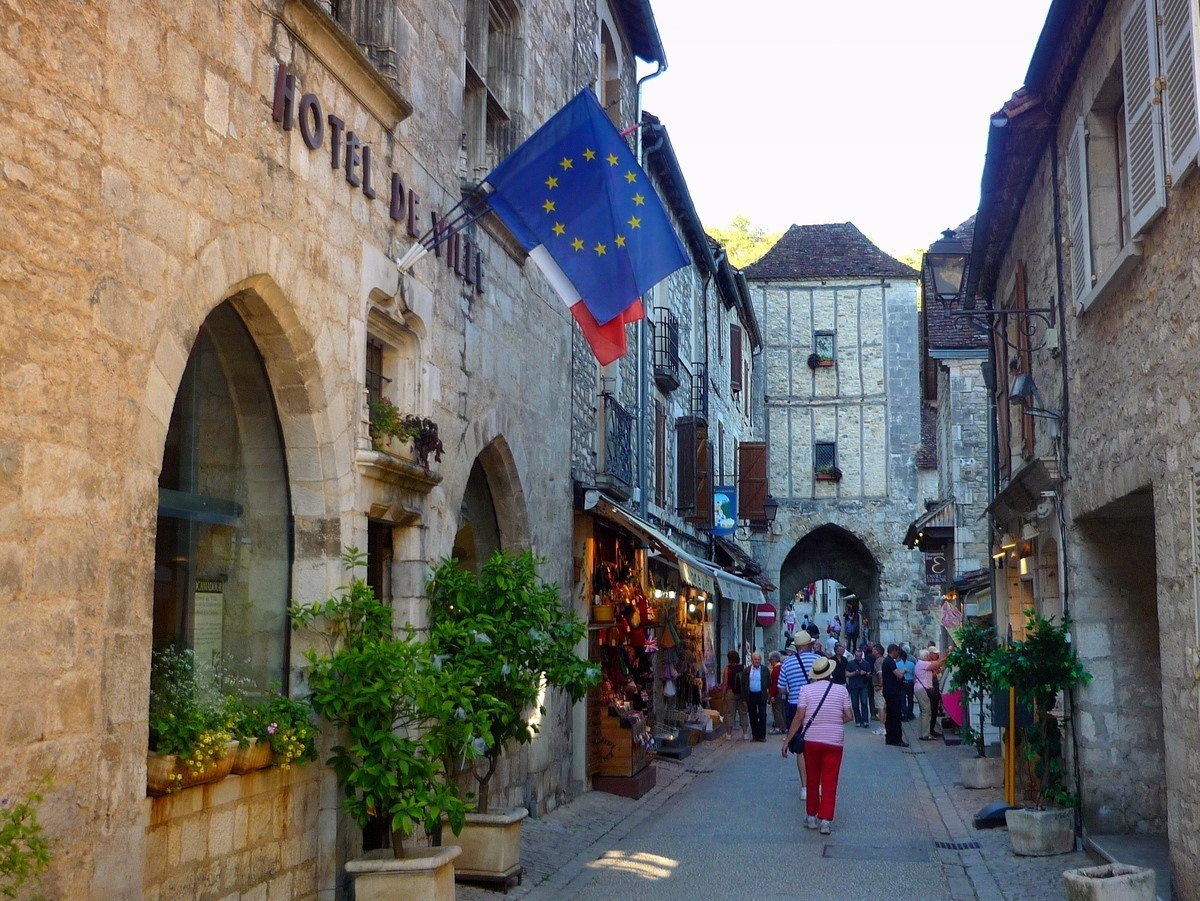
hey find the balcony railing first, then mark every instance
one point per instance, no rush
(614, 471)
(666, 349)
(700, 391)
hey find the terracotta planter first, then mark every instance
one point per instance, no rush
(1110, 882)
(254, 755)
(981, 772)
(161, 773)
(426, 874)
(491, 846)
(1041, 833)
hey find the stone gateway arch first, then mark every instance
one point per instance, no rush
(832, 552)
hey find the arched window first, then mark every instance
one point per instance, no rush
(478, 529)
(223, 546)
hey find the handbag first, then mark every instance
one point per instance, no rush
(796, 745)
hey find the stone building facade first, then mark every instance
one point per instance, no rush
(201, 298)
(950, 528)
(842, 421)
(1100, 485)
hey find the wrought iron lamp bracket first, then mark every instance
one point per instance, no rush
(1032, 325)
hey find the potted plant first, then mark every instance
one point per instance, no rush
(1039, 668)
(387, 422)
(275, 731)
(400, 713)
(969, 659)
(191, 741)
(829, 473)
(510, 634)
(818, 361)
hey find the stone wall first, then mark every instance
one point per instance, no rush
(247, 836)
(964, 467)
(869, 403)
(1132, 444)
(169, 190)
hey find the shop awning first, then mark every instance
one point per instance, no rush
(1023, 492)
(978, 603)
(692, 570)
(735, 588)
(939, 515)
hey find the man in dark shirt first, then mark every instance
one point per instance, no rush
(839, 665)
(893, 694)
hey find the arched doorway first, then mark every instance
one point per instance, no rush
(491, 515)
(840, 560)
(478, 535)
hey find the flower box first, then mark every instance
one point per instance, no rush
(251, 756)
(168, 773)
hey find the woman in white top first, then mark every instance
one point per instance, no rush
(925, 684)
(823, 707)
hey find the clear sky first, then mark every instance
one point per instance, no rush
(869, 111)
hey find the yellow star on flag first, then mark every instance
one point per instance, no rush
(612, 159)
(635, 222)
(551, 182)
(620, 239)
(600, 249)
(639, 199)
(577, 244)
(559, 228)
(566, 163)
(548, 206)
(630, 177)
(589, 154)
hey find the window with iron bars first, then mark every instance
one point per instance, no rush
(824, 456)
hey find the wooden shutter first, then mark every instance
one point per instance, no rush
(1181, 116)
(685, 464)
(752, 480)
(703, 512)
(1003, 411)
(1028, 433)
(1143, 116)
(735, 357)
(660, 454)
(1077, 204)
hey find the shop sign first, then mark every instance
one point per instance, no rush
(724, 510)
(766, 615)
(935, 568)
(348, 153)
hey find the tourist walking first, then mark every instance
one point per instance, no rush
(909, 665)
(839, 664)
(822, 711)
(778, 700)
(935, 690)
(925, 677)
(858, 681)
(756, 682)
(735, 699)
(795, 674)
(892, 678)
(877, 698)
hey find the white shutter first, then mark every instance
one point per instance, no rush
(1077, 207)
(1181, 116)
(1143, 116)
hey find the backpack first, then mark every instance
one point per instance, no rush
(737, 681)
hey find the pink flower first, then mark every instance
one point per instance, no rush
(271, 728)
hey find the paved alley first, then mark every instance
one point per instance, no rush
(727, 823)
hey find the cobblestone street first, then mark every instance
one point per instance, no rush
(712, 828)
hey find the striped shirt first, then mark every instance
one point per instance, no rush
(828, 727)
(791, 679)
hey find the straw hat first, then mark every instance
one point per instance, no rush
(803, 639)
(822, 668)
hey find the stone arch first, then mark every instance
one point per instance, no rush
(486, 441)
(832, 552)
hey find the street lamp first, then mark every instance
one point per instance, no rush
(946, 266)
(770, 509)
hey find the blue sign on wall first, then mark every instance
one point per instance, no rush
(724, 509)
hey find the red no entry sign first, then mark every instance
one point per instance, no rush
(766, 614)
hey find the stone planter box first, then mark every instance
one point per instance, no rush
(1110, 882)
(1041, 833)
(425, 874)
(491, 846)
(251, 756)
(981, 772)
(166, 773)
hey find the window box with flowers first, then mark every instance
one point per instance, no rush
(387, 423)
(828, 474)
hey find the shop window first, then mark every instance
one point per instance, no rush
(478, 534)
(492, 96)
(223, 543)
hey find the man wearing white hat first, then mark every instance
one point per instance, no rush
(794, 675)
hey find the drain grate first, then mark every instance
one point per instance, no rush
(914, 753)
(957, 846)
(699, 771)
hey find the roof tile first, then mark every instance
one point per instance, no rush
(834, 250)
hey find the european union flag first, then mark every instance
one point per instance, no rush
(575, 191)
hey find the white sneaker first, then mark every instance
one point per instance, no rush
(811, 823)
(826, 826)
(803, 793)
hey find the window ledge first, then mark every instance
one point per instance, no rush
(1114, 276)
(395, 470)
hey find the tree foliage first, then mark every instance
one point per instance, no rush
(744, 241)
(504, 631)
